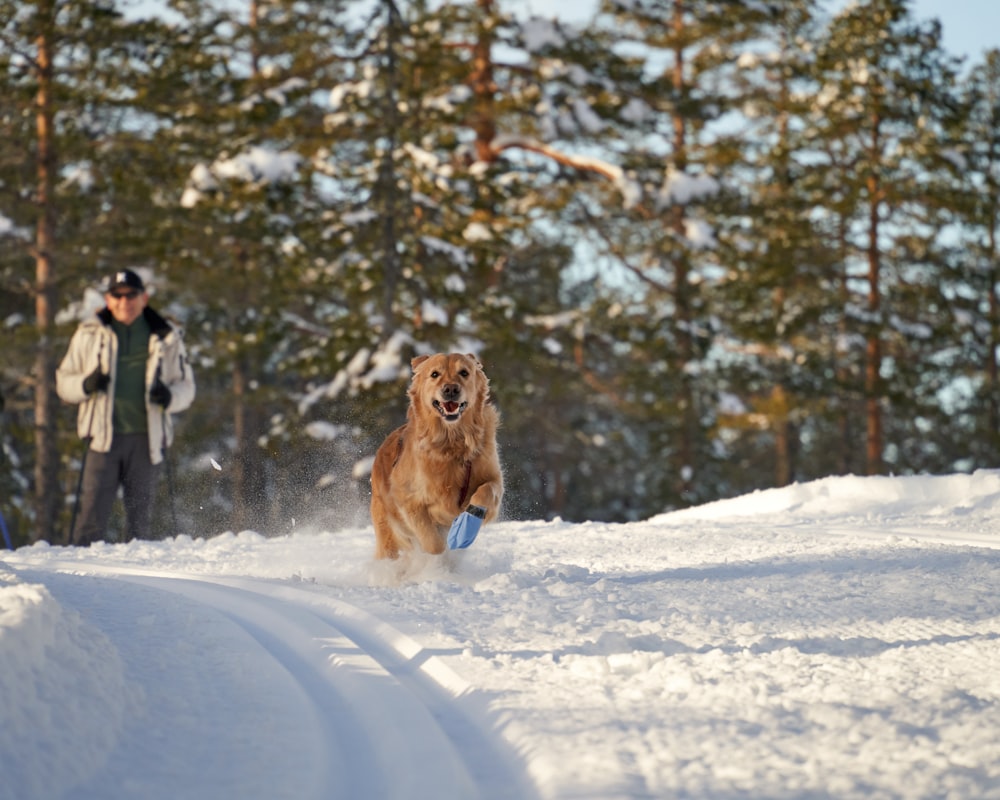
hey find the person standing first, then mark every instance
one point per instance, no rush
(127, 368)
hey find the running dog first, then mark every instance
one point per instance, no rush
(442, 462)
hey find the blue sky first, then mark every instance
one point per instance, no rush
(970, 27)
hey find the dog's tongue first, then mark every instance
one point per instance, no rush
(451, 408)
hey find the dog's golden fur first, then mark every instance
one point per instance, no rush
(447, 445)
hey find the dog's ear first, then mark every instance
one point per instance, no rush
(484, 399)
(416, 362)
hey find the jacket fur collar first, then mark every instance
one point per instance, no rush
(157, 324)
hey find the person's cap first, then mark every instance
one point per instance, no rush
(124, 279)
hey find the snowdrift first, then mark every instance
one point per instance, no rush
(830, 637)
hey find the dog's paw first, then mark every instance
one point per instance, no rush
(465, 528)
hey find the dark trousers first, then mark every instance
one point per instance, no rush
(127, 464)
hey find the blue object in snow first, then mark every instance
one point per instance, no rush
(465, 527)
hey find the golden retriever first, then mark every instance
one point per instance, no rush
(441, 461)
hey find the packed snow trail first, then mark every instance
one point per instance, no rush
(831, 639)
(289, 683)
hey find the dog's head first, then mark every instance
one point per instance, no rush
(447, 385)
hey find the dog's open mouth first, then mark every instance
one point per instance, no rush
(449, 409)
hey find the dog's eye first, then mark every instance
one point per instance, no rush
(464, 373)
(435, 374)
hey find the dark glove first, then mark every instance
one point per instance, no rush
(96, 381)
(160, 394)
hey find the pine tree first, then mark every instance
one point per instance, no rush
(668, 243)
(975, 201)
(886, 91)
(777, 282)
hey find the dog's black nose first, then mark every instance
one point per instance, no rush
(451, 392)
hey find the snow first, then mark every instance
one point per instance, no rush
(588, 119)
(256, 165)
(277, 94)
(324, 431)
(477, 232)
(837, 638)
(364, 370)
(458, 256)
(432, 313)
(636, 111)
(540, 33)
(683, 189)
(699, 233)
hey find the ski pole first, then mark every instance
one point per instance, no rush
(170, 473)
(83, 465)
(83, 461)
(3, 522)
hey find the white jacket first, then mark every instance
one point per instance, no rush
(94, 345)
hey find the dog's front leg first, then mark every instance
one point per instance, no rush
(488, 496)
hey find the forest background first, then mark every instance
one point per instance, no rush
(701, 247)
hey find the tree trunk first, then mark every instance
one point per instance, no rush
(47, 490)
(484, 87)
(992, 383)
(845, 401)
(387, 172)
(784, 434)
(873, 363)
(682, 302)
(255, 39)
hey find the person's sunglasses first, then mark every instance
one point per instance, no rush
(126, 295)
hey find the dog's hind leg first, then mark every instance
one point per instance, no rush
(428, 536)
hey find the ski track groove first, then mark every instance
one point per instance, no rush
(399, 725)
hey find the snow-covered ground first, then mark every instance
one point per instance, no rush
(836, 639)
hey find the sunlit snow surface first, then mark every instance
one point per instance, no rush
(838, 638)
